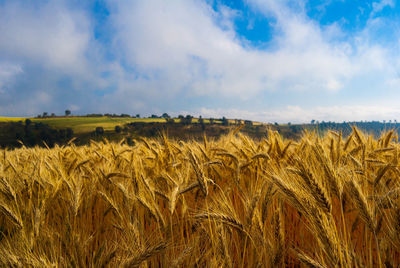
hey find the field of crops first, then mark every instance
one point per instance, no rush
(232, 202)
(82, 124)
(11, 119)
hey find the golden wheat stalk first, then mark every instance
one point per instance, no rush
(145, 254)
(361, 202)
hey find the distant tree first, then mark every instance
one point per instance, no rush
(62, 133)
(28, 132)
(276, 124)
(225, 121)
(37, 126)
(137, 115)
(125, 115)
(188, 119)
(185, 120)
(67, 112)
(295, 129)
(69, 133)
(129, 141)
(53, 114)
(165, 115)
(99, 130)
(45, 114)
(201, 121)
(118, 129)
(19, 136)
(154, 116)
(312, 122)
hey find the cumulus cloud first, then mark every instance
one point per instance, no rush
(297, 114)
(180, 44)
(158, 54)
(8, 72)
(47, 33)
(380, 5)
(49, 47)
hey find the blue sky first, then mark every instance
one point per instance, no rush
(265, 60)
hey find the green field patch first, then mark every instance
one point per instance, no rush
(11, 119)
(82, 124)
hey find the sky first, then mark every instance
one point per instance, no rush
(263, 60)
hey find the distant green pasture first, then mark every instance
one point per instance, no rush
(82, 124)
(11, 119)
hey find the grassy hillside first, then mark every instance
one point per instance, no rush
(12, 119)
(81, 124)
(84, 124)
(231, 202)
(59, 130)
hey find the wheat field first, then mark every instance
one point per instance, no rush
(327, 201)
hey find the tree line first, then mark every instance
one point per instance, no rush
(16, 134)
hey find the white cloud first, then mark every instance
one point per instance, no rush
(167, 52)
(74, 108)
(297, 114)
(380, 5)
(180, 44)
(53, 43)
(48, 34)
(43, 97)
(7, 74)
